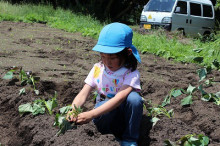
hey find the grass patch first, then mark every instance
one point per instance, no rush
(194, 51)
(61, 19)
(191, 51)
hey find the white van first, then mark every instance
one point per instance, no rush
(193, 17)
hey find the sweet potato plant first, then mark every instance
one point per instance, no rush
(26, 78)
(62, 123)
(38, 106)
(189, 140)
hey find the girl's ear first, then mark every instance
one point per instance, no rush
(129, 51)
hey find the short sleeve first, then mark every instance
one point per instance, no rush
(90, 78)
(133, 79)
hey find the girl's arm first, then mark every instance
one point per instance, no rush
(80, 99)
(111, 104)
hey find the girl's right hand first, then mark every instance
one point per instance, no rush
(70, 117)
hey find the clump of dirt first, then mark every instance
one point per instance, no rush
(62, 60)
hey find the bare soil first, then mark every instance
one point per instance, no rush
(62, 60)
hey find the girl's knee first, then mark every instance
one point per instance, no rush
(135, 99)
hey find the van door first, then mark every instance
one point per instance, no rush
(209, 18)
(195, 19)
(180, 18)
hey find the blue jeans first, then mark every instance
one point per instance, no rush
(124, 121)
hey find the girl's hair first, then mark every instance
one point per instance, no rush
(130, 60)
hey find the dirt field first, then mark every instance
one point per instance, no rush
(62, 60)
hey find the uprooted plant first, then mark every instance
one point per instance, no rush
(26, 78)
(189, 140)
(61, 121)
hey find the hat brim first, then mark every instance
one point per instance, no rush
(113, 50)
(107, 49)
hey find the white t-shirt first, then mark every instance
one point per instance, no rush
(108, 83)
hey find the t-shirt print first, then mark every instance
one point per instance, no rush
(108, 83)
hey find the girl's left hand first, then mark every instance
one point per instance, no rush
(84, 118)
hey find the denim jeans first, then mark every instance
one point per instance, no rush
(124, 121)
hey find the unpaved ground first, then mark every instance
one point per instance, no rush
(62, 60)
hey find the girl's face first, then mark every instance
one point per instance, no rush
(112, 61)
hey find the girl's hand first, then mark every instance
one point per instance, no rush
(70, 117)
(84, 118)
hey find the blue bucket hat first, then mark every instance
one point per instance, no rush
(114, 38)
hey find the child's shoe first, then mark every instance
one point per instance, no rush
(128, 143)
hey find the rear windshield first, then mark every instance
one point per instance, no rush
(160, 5)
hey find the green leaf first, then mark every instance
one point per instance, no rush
(25, 108)
(218, 94)
(169, 143)
(216, 64)
(197, 50)
(154, 120)
(38, 109)
(51, 104)
(200, 88)
(193, 139)
(176, 93)
(190, 89)
(56, 123)
(187, 100)
(183, 91)
(205, 140)
(173, 93)
(212, 97)
(208, 82)
(63, 124)
(198, 59)
(202, 73)
(171, 113)
(217, 99)
(36, 92)
(22, 75)
(206, 97)
(166, 100)
(65, 109)
(22, 91)
(8, 75)
(187, 143)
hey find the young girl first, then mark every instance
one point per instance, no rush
(119, 107)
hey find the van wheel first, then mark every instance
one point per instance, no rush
(181, 31)
(206, 33)
(141, 25)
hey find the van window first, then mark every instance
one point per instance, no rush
(182, 7)
(207, 11)
(159, 5)
(195, 9)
